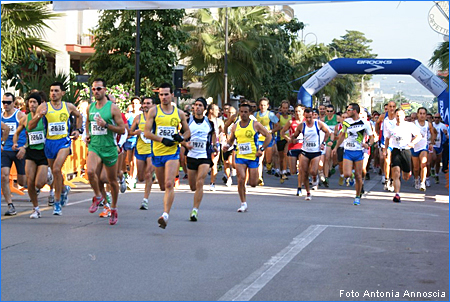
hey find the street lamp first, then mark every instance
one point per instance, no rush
(304, 38)
(335, 52)
(362, 89)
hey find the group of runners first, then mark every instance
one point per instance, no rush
(308, 142)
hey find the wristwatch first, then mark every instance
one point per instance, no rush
(80, 130)
(262, 149)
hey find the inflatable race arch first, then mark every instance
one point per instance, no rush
(376, 66)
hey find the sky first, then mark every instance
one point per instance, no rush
(399, 29)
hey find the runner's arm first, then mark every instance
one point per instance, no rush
(19, 129)
(5, 130)
(133, 131)
(40, 112)
(119, 127)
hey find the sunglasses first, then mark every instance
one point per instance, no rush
(437, 117)
(97, 88)
(6, 102)
(330, 111)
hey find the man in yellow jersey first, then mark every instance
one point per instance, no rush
(245, 131)
(58, 142)
(143, 151)
(282, 145)
(162, 128)
(103, 121)
(270, 121)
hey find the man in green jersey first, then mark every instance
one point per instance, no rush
(103, 121)
(331, 121)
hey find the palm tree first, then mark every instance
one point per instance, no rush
(440, 58)
(23, 25)
(251, 47)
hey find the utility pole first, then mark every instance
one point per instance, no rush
(137, 78)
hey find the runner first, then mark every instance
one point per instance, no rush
(246, 131)
(340, 149)
(388, 120)
(282, 143)
(311, 149)
(399, 140)
(353, 131)
(36, 166)
(213, 116)
(331, 120)
(162, 128)
(200, 146)
(420, 151)
(104, 120)
(441, 137)
(143, 151)
(58, 142)
(269, 120)
(228, 156)
(295, 145)
(11, 117)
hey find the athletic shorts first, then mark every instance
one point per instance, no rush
(310, 155)
(281, 144)
(226, 155)
(38, 156)
(402, 159)
(108, 155)
(129, 145)
(194, 163)
(438, 150)
(251, 164)
(260, 143)
(294, 153)
(354, 155)
(160, 161)
(9, 157)
(52, 146)
(340, 154)
(416, 154)
(141, 156)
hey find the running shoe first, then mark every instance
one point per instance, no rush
(391, 185)
(95, 203)
(194, 215)
(427, 182)
(224, 179)
(326, 183)
(341, 180)
(106, 211)
(51, 200)
(332, 171)
(177, 182)
(212, 187)
(277, 173)
(261, 182)
(57, 208)
(383, 180)
(108, 198)
(135, 181)
(436, 178)
(11, 210)
(362, 190)
(243, 208)
(38, 191)
(417, 183)
(288, 172)
(357, 201)
(423, 187)
(144, 204)
(433, 172)
(229, 182)
(299, 192)
(122, 185)
(162, 222)
(347, 181)
(308, 196)
(396, 198)
(269, 167)
(36, 214)
(65, 196)
(351, 182)
(283, 178)
(113, 217)
(185, 176)
(367, 176)
(49, 176)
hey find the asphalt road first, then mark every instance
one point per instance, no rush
(283, 248)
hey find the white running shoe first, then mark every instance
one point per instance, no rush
(427, 182)
(243, 208)
(212, 187)
(36, 214)
(417, 183)
(229, 182)
(383, 179)
(49, 176)
(423, 187)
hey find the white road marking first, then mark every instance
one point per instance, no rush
(258, 279)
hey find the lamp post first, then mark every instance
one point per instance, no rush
(362, 90)
(310, 33)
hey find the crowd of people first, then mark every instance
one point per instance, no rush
(152, 143)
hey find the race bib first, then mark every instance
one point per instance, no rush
(245, 148)
(198, 145)
(350, 145)
(59, 128)
(144, 139)
(166, 132)
(12, 128)
(36, 138)
(310, 146)
(98, 130)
